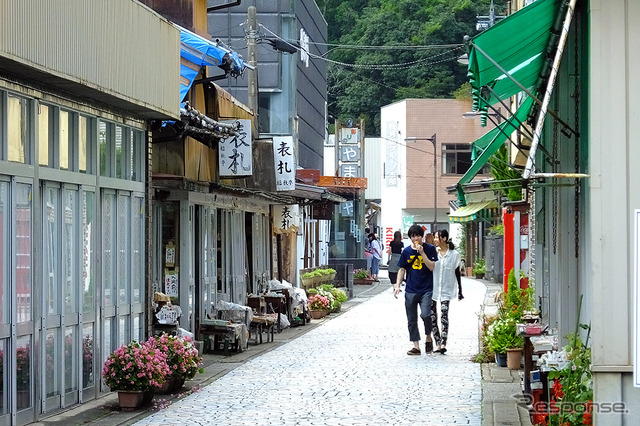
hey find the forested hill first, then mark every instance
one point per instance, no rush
(382, 51)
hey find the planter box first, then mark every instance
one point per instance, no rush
(363, 281)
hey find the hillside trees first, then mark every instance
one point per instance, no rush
(368, 68)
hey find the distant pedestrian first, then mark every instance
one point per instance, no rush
(396, 246)
(367, 250)
(428, 238)
(445, 277)
(418, 261)
(376, 255)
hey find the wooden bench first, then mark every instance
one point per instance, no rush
(262, 324)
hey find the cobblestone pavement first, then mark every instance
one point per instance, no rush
(351, 370)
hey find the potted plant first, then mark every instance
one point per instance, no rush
(339, 296)
(307, 280)
(319, 305)
(480, 268)
(361, 276)
(182, 358)
(134, 370)
(501, 335)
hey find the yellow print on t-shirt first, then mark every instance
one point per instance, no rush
(417, 264)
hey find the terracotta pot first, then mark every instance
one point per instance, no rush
(469, 271)
(130, 400)
(514, 357)
(318, 314)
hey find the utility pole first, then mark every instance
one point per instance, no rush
(252, 77)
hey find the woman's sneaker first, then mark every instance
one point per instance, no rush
(414, 351)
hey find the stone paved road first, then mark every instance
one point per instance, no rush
(351, 370)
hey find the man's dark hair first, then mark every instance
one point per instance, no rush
(415, 230)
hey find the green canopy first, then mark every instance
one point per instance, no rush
(487, 145)
(518, 44)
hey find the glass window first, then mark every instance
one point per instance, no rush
(23, 252)
(456, 159)
(64, 138)
(70, 359)
(124, 248)
(104, 136)
(24, 372)
(17, 129)
(138, 155)
(5, 258)
(120, 153)
(108, 247)
(83, 144)
(69, 249)
(87, 356)
(137, 247)
(88, 236)
(52, 362)
(51, 247)
(44, 135)
(4, 376)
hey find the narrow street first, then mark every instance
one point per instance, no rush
(351, 370)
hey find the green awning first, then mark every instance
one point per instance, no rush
(518, 44)
(487, 145)
(473, 211)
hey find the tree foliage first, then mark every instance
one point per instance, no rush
(361, 80)
(508, 179)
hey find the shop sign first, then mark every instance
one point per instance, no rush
(286, 218)
(234, 152)
(322, 211)
(284, 163)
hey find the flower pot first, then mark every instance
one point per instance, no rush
(514, 357)
(130, 400)
(176, 384)
(501, 359)
(479, 275)
(363, 281)
(469, 271)
(317, 314)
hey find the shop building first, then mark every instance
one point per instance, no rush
(74, 114)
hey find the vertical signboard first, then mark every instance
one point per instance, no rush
(234, 152)
(284, 163)
(349, 152)
(391, 154)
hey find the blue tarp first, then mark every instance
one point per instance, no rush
(198, 52)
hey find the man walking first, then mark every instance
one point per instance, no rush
(417, 261)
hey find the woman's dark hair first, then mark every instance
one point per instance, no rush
(397, 236)
(443, 234)
(372, 235)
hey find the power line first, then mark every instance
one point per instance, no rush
(404, 65)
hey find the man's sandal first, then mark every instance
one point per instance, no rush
(414, 351)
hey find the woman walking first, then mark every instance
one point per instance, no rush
(376, 255)
(396, 247)
(445, 277)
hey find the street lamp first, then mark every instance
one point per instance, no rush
(432, 139)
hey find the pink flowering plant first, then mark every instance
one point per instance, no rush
(135, 367)
(318, 302)
(182, 356)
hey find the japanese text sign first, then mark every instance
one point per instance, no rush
(234, 152)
